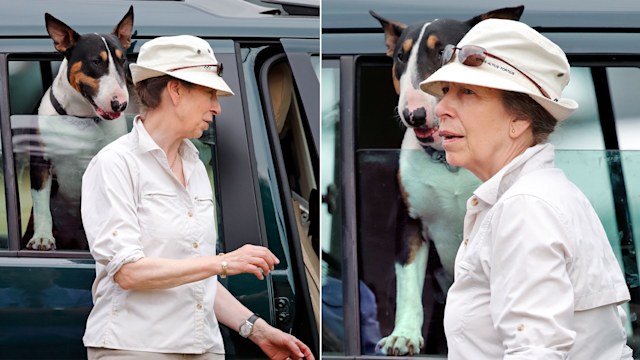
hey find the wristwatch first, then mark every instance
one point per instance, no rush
(246, 329)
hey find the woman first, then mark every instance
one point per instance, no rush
(147, 208)
(535, 276)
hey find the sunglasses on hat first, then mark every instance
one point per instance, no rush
(218, 67)
(472, 55)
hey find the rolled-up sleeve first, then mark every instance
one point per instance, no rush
(109, 211)
(532, 299)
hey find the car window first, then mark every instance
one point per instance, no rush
(583, 130)
(623, 83)
(60, 147)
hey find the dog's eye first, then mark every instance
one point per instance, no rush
(401, 56)
(96, 61)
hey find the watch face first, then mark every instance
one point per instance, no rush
(245, 329)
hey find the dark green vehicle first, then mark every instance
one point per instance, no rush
(262, 157)
(597, 148)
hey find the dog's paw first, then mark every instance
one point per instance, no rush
(400, 344)
(42, 243)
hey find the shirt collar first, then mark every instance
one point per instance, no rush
(534, 158)
(146, 143)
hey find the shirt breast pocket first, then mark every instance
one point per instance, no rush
(160, 215)
(205, 217)
(204, 207)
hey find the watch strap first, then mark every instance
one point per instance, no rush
(252, 319)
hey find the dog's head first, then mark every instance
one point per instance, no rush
(96, 63)
(416, 51)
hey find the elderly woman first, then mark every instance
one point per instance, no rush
(147, 207)
(535, 277)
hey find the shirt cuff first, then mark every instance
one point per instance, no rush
(123, 257)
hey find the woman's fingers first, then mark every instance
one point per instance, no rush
(264, 253)
(298, 349)
(251, 259)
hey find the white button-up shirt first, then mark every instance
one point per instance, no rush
(535, 276)
(133, 206)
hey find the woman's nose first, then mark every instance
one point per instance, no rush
(443, 107)
(215, 106)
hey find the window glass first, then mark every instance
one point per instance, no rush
(332, 306)
(582, 130)
(61, 146)
(315, 62)
(580, 153)
(623, 84)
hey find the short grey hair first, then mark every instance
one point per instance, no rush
(523, 106)
(149, 90)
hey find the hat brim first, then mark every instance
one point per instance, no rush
(480, 76)
(195, 76)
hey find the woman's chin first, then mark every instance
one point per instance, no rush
(453, 158)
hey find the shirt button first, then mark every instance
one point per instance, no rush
(189, 214)
(520, 327)
(466, 242)
(474, 201)
(115, 233)
(199, 306)
(195, 245)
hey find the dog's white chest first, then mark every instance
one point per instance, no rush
(435, 195)
(70, 143)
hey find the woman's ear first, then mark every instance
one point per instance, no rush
(517, 127)
(174, 88)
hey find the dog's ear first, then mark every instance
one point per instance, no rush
(124, 29)
(508, 13)
(392, 32)
(64, 37)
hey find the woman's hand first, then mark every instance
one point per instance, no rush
(250, 259)
(277, 344)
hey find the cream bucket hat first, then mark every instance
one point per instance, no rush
(184, 57)
(519, 49)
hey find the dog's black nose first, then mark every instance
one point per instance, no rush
(118, 106)
(416, 118)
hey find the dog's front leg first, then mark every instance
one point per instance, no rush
(41, 196)
(406, 337)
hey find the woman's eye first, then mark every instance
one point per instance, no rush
(467, 91)
(445, 89)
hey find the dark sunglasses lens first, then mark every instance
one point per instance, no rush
(219, 69)
(447, 54)
(472, 56)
